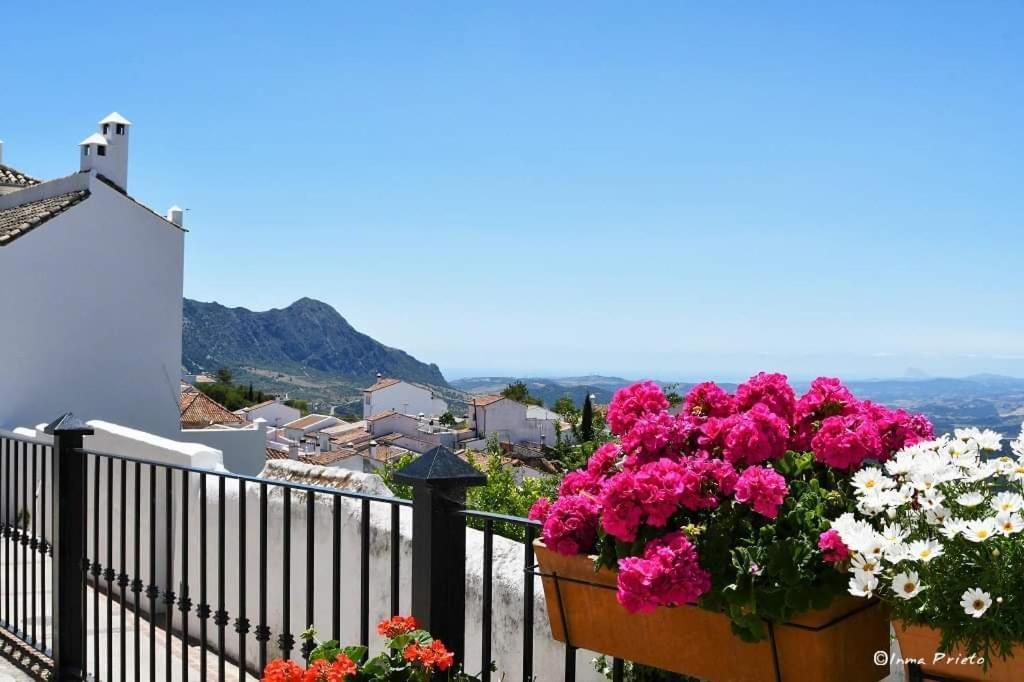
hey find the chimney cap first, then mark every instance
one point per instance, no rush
(116, 118)
(95, 138)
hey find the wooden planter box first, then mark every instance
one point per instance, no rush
(837, 643)
(919, 643)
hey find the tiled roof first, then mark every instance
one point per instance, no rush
(485, 400)
(11, 177)
(17, 220)
(274, 453)
(381, 383)
(351, 437)
(306, 422)
(198, 411)
(325, 458)
(380, 415)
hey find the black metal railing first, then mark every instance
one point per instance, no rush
(26, 546)
(225, 571)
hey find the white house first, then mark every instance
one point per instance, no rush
(514, 422)
(402, 397)
(274, 412)
(92, 296)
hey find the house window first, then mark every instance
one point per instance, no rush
(101, 150)
(120, 129)
(85, 150)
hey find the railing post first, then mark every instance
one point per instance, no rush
(69, 533)
(439, 480)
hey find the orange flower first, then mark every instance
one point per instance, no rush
(283, 671)
(398, 625)
(444, 658)
(343, 666)
(331, 671)
(412, 652)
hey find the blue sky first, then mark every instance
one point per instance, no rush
(673, 189)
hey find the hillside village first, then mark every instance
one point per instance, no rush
(399, 419)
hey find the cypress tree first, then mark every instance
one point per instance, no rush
(587, 420)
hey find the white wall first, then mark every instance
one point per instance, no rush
(244, 450)
(93, 323)
(275, 414)
(404, 398)
(507, 600)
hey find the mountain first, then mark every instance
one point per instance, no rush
(549, 390)
(307, 348)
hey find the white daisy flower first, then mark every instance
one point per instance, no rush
(894, 533)
(924, 550)
(990, 440)
(901, 463)
(897, 552)
(1007, 502)
(869, 564)
(863, 584)
(871, 479)
(906, 585)
(952, 527)
(1009, 523)
(936, 516)
(975, 602)
(931, 499)
(1004, 465)
(971, 499)
(979, 531)
(980, 473)
(1017, 472)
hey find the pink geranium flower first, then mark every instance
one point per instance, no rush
(833, 549)
(763, 489)
(708, 399)
(667, 574)
(771, 390)
(571, 525)
(632, 402)
(845, 442)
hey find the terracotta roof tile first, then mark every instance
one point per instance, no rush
(199, 411)
(485, 400)
(306, 422)
(382, 383)
(274, 454)
(12, 177)
(380, 415)
(17, 220)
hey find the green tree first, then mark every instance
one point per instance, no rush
(521, 394)
(565, 407)
(301, 405)
(251, 395)
(447, 419)
(224, 376)
(587, 421)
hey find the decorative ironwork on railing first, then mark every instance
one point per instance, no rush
(178, 571)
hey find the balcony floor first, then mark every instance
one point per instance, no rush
(109, 637)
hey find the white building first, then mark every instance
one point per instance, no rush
(274, 412)
(514, 422)
(402, 397)
(92, 297)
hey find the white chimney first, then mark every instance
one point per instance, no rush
(106, 152)
(176, 215)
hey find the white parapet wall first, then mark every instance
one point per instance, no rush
(176, 502)
(507, 600)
